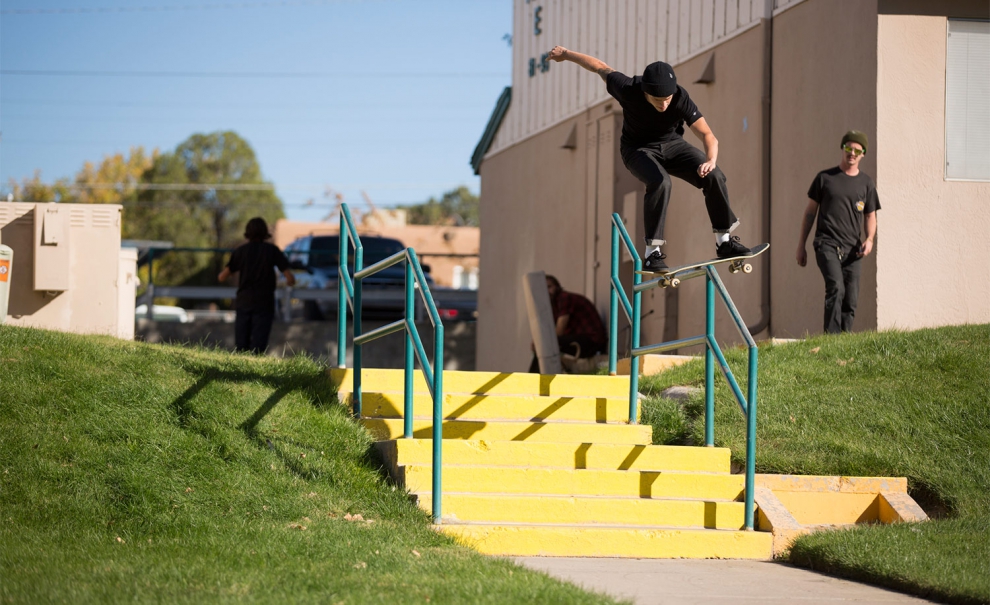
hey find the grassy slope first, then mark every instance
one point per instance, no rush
(149, 473)
(914, 405)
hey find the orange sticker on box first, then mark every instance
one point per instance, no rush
(4, 269)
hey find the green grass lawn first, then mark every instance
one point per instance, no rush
(143, 473)
(905, 404)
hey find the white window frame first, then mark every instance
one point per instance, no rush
(979, 92)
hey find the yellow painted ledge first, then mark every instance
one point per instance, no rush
(792, 505)
(644, 543)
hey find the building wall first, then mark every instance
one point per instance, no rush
(927, 223)
(534, 218)
(824, 84)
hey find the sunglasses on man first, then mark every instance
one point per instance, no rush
(853, 150)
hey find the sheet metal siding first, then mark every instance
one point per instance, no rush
(626, 34)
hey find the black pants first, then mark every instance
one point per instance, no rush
(841, 269)
(656, 163)
(585, 348)
(252, 329)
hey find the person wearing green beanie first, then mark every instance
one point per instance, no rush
(844, 203)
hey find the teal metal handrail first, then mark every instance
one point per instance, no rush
(350, 295)
(747, 403)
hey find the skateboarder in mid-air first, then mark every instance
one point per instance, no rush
(655, 110)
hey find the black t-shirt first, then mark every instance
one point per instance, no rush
(642, 124)
(256, 262)
(843, 200)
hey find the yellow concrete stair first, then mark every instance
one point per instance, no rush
(468, 406)
(549, 465)
(600, 456)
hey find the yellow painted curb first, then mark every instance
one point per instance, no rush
(513, 480)
(539, 508)
(657, 543)
(490, 407)
(489, 383)
(503, 430)
(602, 456)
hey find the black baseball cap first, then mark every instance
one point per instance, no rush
(659, 80)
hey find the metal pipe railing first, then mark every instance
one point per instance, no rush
(350, 295)
(713, 353)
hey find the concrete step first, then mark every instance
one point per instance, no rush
(587, 510)
(657, 542)
(506, 430)
(496, 407)
(533, 454)
(565, 482)
(489, 383)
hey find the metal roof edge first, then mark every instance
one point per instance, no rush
(501, 108)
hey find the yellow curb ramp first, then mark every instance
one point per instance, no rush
(566, 482)
(488, 383)
(502, 407)
(601, 456)
(588, 510)
(617, 541)
(384, 428)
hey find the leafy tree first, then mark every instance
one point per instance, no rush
(34, 191)
(456, 207)
(116, 180)
(187, 211)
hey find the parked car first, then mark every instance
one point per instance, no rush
(315, 259)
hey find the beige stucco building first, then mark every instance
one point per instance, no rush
(779, 82)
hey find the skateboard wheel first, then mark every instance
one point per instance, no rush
(675, 282)
(747, 268)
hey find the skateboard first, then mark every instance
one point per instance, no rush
(736, 264)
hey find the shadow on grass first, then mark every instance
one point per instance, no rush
(315, 387)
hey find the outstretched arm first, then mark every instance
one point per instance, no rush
(559, 53)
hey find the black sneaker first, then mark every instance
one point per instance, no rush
(654, 262)
(732, 248)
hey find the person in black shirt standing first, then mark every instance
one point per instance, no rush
(654, 110)
(845, 202)
(255, 262)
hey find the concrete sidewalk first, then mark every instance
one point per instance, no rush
(708, 581)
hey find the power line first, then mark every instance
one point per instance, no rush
(169, 7)
(243, 74)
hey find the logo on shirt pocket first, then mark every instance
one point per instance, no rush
(860, 205)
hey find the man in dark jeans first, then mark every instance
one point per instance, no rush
(654, 112)
(580, 331)
(255, 262)
(845, 202)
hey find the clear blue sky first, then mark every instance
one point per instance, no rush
(386, 96)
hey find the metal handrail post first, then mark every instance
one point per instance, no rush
(358, 286)
(633, 359)
(342, 296)
(437, 421)
(410, 315)
(613, 304)
(150, 311)
(751, 436)
(709, 362)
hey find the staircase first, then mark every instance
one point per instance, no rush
(549, 466)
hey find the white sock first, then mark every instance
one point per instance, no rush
(721, 238)
(651, 249)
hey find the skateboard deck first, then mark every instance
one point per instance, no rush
(736, 264)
